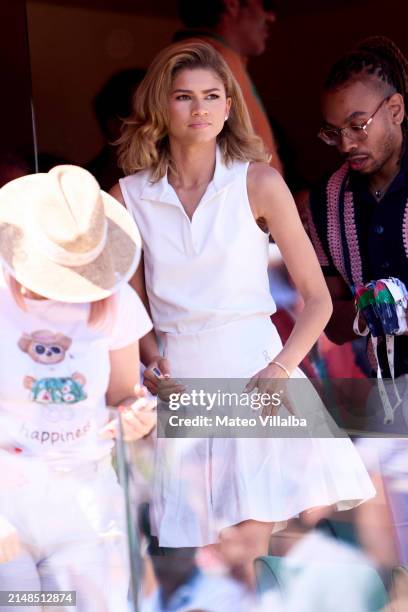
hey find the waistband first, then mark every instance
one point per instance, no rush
(235, 350)
(242, 325)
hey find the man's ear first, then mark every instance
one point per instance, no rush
(397, 107)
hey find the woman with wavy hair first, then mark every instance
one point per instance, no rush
(205, 200)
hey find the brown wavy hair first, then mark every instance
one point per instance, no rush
(144, 143)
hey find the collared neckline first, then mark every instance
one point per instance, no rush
(162, 191)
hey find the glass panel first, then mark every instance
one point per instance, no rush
(125, 454)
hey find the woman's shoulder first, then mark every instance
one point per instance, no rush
(262, 171)
(266, 188)
(262, 176)
(131, 184)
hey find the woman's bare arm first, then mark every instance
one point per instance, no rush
(271, 201)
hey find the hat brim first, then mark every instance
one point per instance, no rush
(23, 258)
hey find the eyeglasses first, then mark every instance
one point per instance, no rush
(354, 132)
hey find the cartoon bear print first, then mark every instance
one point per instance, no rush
(48, 348)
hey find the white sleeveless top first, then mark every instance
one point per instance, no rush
(209, 271)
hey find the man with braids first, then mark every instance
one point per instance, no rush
(359, 216)
(359, 227)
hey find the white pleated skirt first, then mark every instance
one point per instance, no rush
(203, 485)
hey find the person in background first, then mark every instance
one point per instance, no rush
(183, 583)
(238, 30)
(358, 220)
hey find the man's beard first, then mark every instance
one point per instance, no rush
(387, 152)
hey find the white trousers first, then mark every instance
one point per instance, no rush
(71, 525)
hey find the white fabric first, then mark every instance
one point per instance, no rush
(72, 529)
(208, 288)
(55, 409)
(388, 457)
(204, 485)
(59, 255)
(188, 288)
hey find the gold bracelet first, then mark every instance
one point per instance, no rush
(282, 367)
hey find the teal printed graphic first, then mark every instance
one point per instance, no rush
(57, 390)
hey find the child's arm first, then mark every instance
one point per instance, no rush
(125, 392)
(10, 546)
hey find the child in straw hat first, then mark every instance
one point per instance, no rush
(70, 326)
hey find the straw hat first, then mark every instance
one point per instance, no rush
(64, 238)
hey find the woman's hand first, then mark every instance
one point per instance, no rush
(158, 380)
(271, 381)
(138, 417)
(10, 546)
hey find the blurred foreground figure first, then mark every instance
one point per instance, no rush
(69, 349)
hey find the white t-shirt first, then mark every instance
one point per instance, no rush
(54, 374)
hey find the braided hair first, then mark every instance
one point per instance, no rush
(377, 57)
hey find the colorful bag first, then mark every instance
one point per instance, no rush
(366, 306)
(383, 306)
(391, 298)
